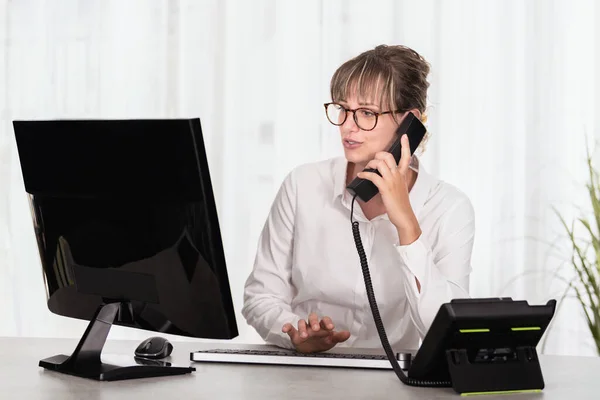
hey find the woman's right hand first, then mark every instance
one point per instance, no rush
(314, 336)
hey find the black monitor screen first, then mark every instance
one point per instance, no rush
(124, 211)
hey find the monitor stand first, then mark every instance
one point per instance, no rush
(86, 360)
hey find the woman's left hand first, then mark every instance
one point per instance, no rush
(393, 187)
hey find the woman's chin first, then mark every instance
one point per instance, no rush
(356, 157)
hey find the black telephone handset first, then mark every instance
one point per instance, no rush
(364, 189)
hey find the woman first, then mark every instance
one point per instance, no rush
(306, 290)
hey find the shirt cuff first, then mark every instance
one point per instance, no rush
(278, 338)
(415, 256)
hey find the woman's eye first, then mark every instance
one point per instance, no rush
(367, 113)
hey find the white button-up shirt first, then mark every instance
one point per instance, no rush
(307, 259)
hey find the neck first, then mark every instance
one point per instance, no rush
(353, 170)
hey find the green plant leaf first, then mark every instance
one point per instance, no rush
(586, 267)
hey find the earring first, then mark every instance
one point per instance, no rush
(414, 164)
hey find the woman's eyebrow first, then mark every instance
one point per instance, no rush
(360, 103)
(368, 104)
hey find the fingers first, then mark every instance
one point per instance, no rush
(321, 340)
(305, 331)
(382, 166)
(339, 337)
(327, 323)
(406, 156)
(313, 321)
(301, 334)
(292, 332)
(373, 177)
(302, 329)
(388, 158)
(314, 328)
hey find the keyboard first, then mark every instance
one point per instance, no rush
(288, 357)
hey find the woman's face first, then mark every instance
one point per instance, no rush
(360, 146)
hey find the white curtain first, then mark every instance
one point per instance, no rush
(514, 94)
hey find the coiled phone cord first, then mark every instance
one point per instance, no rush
(377, 317)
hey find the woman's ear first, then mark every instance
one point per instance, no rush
(416, 112)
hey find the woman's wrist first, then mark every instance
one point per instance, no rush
(409, 231)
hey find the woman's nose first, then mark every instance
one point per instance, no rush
(349, 124)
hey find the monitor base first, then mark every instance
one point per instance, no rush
(110, 372)
(86, 360)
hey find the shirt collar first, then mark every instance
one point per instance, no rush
(418, 194)
(340, 168)
(420, 191)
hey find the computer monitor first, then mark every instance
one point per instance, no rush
(128, 234)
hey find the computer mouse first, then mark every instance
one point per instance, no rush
(154, 348)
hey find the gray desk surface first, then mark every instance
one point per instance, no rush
(21, 378)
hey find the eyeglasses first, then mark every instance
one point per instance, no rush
(364, 118)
